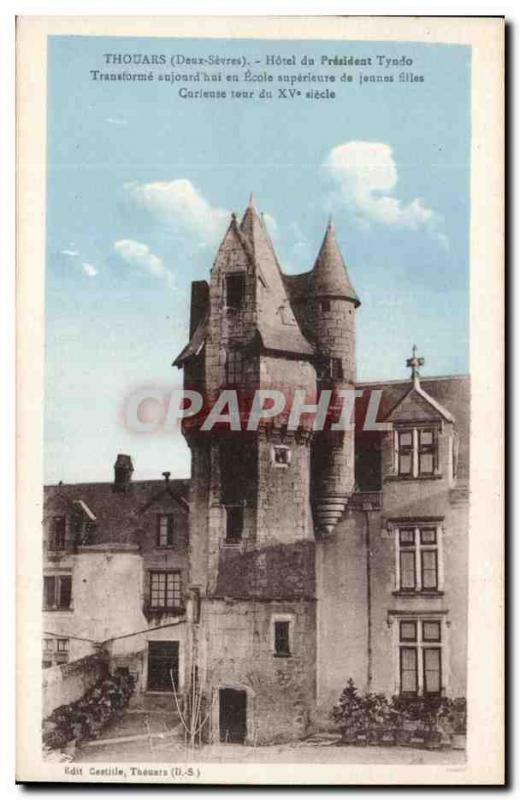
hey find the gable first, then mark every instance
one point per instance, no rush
(417, 406)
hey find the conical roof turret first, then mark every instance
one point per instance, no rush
(330, 273)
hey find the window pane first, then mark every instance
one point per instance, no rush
(407, 569)
(235, 290)
(407, 536)
(65, 586)
(281, 637)
(408, 631)
(431, 631)
(428, 536)
(432, 670)
(234, 524)
(62, 645)
(48, 644)
(48, 591)
(429, 569)
(405, 464)
(426, 437)
(405, 439)
(408, 670)
(426, 463)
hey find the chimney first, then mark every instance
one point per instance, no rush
(123, 469)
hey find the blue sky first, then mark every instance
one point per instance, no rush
(140, 187)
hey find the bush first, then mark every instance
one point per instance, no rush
(373, 717)
(85, 718)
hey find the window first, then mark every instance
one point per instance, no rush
(165, 590)
(282, 634)
(416, 451)
(57, 591)
(234, 524)
(325, 305)
(281, 638)
(55, 652)
(336, 369)
(281, 455)
(420, 661)
(165, 530)
(234, 368)
(235, 290)
(418, 559)
(57, 533)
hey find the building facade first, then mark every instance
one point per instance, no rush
(296, 556)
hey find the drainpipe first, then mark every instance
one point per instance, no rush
(367, 507)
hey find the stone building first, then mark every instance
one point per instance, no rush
(303, 556)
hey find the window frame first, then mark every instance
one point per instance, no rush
(420, 646)
(234, 367)
(176, 594)
(419, 547)
(290, 620)
(281, 448)
(56, 542)
(239, 278)
(170, 530)
(415, 450)
(58, 579)
(54, 655)
(232, 509)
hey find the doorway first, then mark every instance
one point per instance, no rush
(233, 715)
(163, 657)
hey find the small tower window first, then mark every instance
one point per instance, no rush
(234, 365)
(281, 455)
(234, 524)
(235, 290)
(282, 634)
(325, 305)
(336, 369)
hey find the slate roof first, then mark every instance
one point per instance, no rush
(118, 514)
(330, 277)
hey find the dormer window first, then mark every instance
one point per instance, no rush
(235, 290)
(57, 527)
(416, 451)
(165, 530)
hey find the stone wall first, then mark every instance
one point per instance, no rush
(69, 682)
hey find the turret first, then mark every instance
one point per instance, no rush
(334, 303)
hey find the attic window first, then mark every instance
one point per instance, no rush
(57, 533)
(235, 290)
(165, 530)
(416, 452)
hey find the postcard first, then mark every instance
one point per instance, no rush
(260, 400)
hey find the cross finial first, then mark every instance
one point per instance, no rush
(414, 363)
(330, 223)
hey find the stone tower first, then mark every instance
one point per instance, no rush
(334, 303)
(251, 528)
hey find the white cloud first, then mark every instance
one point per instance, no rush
(179, 203)
(89, 269)
(367, 176)
(139, 255)
(69, 253)
(116, 121)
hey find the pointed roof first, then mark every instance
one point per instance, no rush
(275, 320)
(330, 272)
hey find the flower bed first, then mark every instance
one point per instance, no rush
(85, 718)
(369, 718)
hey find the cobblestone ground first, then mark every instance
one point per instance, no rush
(164, 751)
